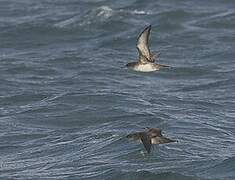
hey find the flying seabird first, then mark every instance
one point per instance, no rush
(149, 137)
(146, 61)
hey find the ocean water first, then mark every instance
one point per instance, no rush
(67, 100)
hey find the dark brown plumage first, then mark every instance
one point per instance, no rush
(149, 137)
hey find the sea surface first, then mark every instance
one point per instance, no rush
(67, 100)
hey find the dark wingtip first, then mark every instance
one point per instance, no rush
(148, 27)
(128, 136)
(164, 66)
(172, 140)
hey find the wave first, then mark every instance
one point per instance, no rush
(146, 175)
(218, 20)
(225, 169)
(209, 85)
(101, 13)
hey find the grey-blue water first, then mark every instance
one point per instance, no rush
(67, 100)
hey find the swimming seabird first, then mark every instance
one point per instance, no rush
(149, 137)
(146, 61)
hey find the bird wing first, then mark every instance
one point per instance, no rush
(134, 136)
(146, 140)
(143, 46)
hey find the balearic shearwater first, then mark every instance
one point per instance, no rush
(146, 61)
(149, 137)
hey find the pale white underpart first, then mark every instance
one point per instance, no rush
(155, 140)
(149, 67)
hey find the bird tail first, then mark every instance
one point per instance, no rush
(163, 65)
(164, 140)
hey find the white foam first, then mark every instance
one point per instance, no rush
(67, 22)
(140, 12)
(105, 11)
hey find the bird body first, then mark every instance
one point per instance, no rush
(146, 61)
(149, 137)
(148, 67)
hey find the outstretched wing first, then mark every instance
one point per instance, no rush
(143, 46)
(133, 136)
(146, 140)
